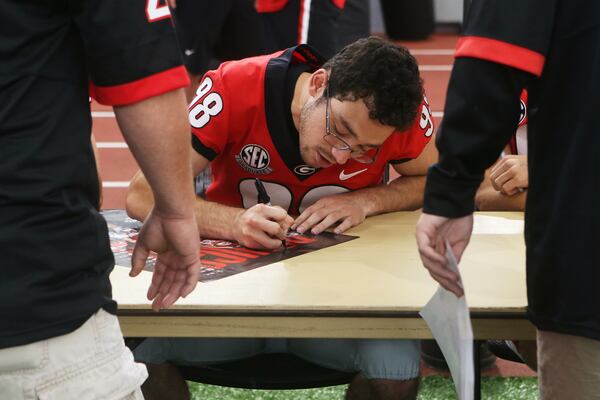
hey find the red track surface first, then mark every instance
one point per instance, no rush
(117, 165)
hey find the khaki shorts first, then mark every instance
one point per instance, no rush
(89, 363)
(568, 367)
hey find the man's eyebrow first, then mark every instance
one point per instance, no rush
(346, 126)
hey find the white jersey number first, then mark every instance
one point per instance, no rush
(155, 11)
(201, 111)
(282, 196)
(426, 123)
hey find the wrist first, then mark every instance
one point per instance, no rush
(179, 204)
(365, 200)
(173, 213)
(235, 224)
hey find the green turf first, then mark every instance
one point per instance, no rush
(432, 388)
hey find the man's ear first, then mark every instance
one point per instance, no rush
(318, 82)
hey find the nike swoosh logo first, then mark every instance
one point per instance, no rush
(344, 176)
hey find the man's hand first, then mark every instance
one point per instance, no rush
(262, 226)
(329, 210)
(509, 175)
(432, 232)
(177, 269)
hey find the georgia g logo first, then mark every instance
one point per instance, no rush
(254, 159)
(523, 113)
(305, 170)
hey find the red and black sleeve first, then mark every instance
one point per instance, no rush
(131, 51)
(502, 51)
(481, 112)
(515, 33)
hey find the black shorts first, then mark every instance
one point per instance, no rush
(354, 23)
(285, 29)
(212, 31)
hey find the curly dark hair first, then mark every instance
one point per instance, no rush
(385, 76)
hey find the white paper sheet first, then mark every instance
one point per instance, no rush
(448, 319)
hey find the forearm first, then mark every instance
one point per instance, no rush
(140, 200)
(158, 134)
(489, 199)
(402, 194)
(216, 220)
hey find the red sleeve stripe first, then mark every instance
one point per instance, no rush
(268, 6)
(500, 52)
(150, 86)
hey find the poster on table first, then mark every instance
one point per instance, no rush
(220, 258)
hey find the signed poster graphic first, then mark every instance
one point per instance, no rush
(220, 258)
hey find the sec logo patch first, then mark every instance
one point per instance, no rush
(254, 159)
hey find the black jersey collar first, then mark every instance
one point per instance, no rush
(280, 80)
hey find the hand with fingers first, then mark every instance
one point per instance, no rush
(329, 210)
(509, 175)
(432, 233)
(177, 244)
(262, 226)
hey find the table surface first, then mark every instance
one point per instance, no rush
(380, 272)
(370, 287)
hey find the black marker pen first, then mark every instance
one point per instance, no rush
(263, 196)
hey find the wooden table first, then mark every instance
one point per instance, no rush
(371, 287)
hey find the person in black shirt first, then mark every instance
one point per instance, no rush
(551, 48)
(59, 337)
(291, 22)
(210, 32)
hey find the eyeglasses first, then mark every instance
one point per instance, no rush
(364, 156)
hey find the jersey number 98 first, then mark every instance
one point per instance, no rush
(203, 109)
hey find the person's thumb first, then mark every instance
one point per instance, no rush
(138, 258)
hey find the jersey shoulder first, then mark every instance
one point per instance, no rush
(408, 144)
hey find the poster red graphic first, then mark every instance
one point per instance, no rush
(220, 258)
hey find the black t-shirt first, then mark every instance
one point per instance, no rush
(55, 257)
(552, 47)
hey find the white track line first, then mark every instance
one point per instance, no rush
(123, 145)
(431, 52)
(103, 114)
(434, 68)
(115, 184)
(112, 145)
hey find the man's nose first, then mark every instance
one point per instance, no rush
(341, 156)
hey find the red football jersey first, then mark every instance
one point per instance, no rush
(241, 121)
